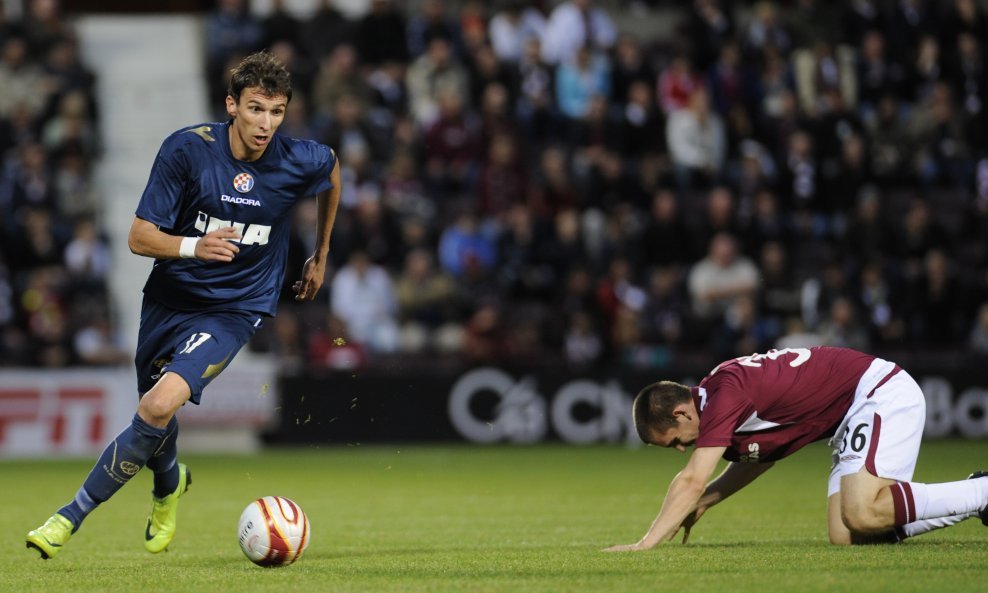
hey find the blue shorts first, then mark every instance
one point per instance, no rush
(196, 345)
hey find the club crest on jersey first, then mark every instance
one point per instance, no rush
(243, 183)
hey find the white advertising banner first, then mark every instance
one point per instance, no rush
(66, 413)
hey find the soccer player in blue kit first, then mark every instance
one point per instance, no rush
(215, 216)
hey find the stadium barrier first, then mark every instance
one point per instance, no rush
(67, 413)
(503, 405)
(75, 412)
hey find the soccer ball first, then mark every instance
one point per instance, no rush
(273, 531)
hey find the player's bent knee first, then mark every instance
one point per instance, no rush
(862, 519)
(160, 403)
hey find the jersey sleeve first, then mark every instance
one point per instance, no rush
(726, 409)
(161, 201)
(324, 161)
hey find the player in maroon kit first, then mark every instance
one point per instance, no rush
(757, 409)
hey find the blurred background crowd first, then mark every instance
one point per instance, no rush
(539, 181)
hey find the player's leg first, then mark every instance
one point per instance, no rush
(836, 528)
(880, 494)
(119, 462)
(207, 344)
(839, 534)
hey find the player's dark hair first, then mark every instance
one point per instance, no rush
(261, 70)
(652, 408)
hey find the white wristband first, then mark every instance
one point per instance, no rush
(188, 247)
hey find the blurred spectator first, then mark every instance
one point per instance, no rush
(503, 180)
(432, 74)
(727, 81)
(24, 83)
(484, 338)
(890, 142)
(881, 304)
(363, 296)
(797, 336)
(97, 343)
(452, 144)
(779, 292)
(618, 290)
(665, 239)
(351, 130)
(513, 26)
(819, 292)
(536, 96)
(431, 20)
(322, 32)
(579, 80)
(87, 256)
(666, 313)
(630, 66)
(43, 25)
(70, 129)
(485, 71)
(338, 76)
(642, 126)
(575, 24)
(978, 340)
(463, 245)
(582, 345)
(944, 158)
(711, 24)
(426, 306)
(877, 73)
(718, 280)
(764, 30)
(676, 84)
(697, 142)
(935, 308)
(842, 328)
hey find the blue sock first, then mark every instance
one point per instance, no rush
(164, 462)
(120, 461)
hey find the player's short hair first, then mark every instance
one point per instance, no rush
(652, 408)
(261, 70)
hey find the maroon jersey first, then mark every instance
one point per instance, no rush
(764, 407)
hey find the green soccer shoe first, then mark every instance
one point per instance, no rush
(50, 537)
(164, 511)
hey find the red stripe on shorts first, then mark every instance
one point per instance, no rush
(876, 431)
(884, 380)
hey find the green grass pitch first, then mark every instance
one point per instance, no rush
(500, 519)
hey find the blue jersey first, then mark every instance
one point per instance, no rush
(197, 186)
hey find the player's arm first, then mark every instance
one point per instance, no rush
(314, 270)
(145, 238)
(685, 492)
(734, 477)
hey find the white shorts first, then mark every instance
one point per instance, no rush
(883, 428)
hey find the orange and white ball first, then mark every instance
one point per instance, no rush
(273, 531)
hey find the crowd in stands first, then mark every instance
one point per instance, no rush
(528, 181)
(524, 181)
(55, 308)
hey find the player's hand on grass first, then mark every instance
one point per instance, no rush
(635, 547)
(218, 245)
(689, 522)
(313, 273)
